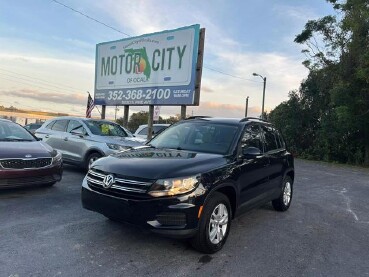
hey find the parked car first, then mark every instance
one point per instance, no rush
(193, 178)
(32, 127)
(83, 140)
(25, 161)
(142, 130)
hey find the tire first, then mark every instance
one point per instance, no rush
(283, 202)
(91, 158)
(203, 240)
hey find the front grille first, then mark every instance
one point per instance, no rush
(24, 181)
(25, 163)
(121, 187)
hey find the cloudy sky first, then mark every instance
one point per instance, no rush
(47, 51)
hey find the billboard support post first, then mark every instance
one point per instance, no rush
(183, 112)
(150, 122)
(200, 57)
(103, 108)
(125, 116)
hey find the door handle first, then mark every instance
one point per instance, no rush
(47, 136)
(66, 138)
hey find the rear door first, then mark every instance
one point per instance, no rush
(274, 151)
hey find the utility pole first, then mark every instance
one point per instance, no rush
(247, 106)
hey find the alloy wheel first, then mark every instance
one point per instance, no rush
(287, 194)
(218, 224)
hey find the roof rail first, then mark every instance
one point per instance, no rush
(248, 118)
(197, 117)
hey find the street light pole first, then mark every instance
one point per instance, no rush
(247, 105)
(264, 79)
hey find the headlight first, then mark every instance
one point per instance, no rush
(174, 186)
(57, 158)
(117, 147)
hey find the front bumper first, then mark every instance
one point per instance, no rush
(171, 216)
(10, 178)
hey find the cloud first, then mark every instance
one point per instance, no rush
(283, 71)
(297, 13)
(224, 110)
(51, 97)
(207, 89)
(44, 60)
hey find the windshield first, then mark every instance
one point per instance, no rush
(10, 131)
(197, 136)
(104, 128)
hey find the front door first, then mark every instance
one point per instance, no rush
(252, 179)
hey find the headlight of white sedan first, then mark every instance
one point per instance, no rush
(174, 186)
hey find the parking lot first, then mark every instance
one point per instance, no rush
(45, 232)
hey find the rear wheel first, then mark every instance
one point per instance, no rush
(91, 158)
(214, 225)
(283, 202)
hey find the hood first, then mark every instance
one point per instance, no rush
(150, 163)
(125, 141)
(22, 148)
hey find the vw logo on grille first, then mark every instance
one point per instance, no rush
(108, 181)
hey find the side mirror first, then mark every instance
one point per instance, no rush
(250, 152)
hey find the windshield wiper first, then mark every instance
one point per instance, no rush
(15, 139)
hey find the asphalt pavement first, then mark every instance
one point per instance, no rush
(46, 232)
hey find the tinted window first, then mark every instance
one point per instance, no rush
(252, 137)
(60, 125)
(143, 131)
(280, 140)
(158, 128)
(74, 125)
(50, 125)
(270, 140)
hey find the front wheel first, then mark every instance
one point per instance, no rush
(283, 202)
(214, 225)
(91, 158)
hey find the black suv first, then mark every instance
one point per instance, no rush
(193, 178)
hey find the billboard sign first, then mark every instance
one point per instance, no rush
(153, 69)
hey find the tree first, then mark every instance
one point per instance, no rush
(334, 99)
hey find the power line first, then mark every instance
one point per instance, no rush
(221, 72)
(106, 25)
(89, 17)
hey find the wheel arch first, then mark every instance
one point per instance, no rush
(93, 150)
(290, 173)
(228, 190)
